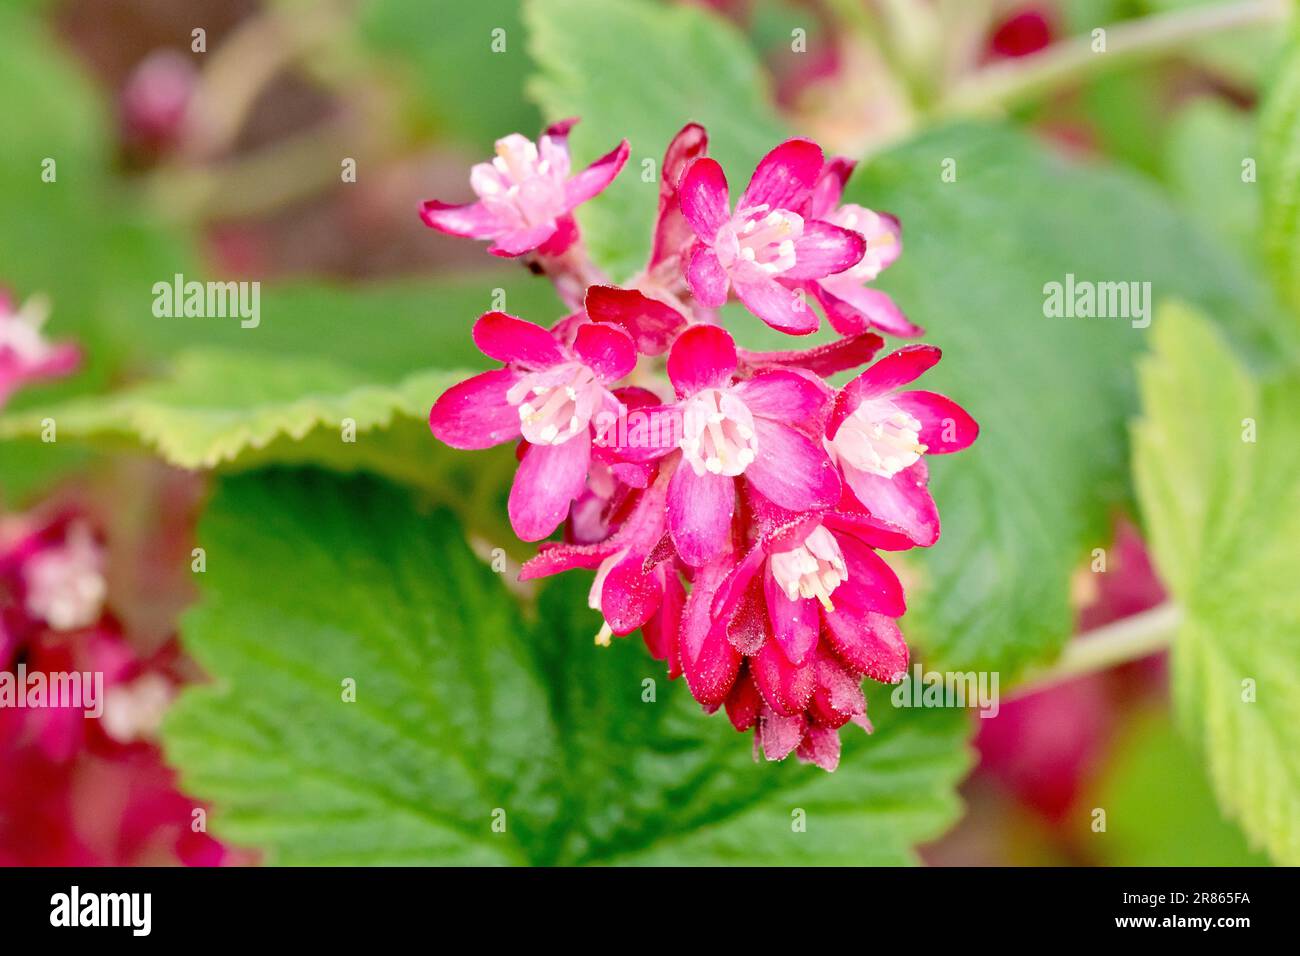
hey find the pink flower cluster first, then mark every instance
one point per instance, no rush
(65, 761)
(673, 457)
(82, 782)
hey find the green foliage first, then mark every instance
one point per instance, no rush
(444, 53)
(384, 329)
(1216, 459)
(1208, 143)
(462, 708)
(1160, 810)
(217, 406)
(1279, 176)
(65, 230)
(1038, 489)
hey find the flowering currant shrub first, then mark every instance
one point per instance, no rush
(670, 456)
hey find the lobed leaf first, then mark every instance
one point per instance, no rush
(1216, 459)
(465, 714)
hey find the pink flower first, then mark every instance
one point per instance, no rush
(767, 238)
(548, 393)
(673, 236)
(51, 576)
(850, 306)
(879, 435)
(635, 579)
(526, 196)
(812, 608)
(64, 583)
(762, 428)
(652, 324)
(25, 354)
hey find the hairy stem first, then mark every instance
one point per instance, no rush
(1106, 647)
(1015, 81)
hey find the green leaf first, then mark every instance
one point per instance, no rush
(1279, 175)
(444, 52)
(1160, 810)
(68, 229)
(219, 408)
(1208, 143)
(1216, 458)
(1037, 491)
(641, 71)
(462, 709)
(385, 329)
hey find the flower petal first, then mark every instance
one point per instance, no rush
(824, 360)
(778, 735)
(606, 349)
(708, 660)
(474, 413)
(895, 369)
(703, 197)
(901, 503)
(732, 589)
(824, 249)
(744, 703)
(705, 277)
(820, 746)
(748, 628)
(673, 234)
(471, 221)
(852, 307)
(661, 631)
(786, 687)
(548, 479)
(871, 584)
(945, 426)
(595, 177)
(651, 323)
(867, 642)
(794, 623)
(829, 187)
(782, 308)
(700, 509)
(704, 356)
(791, 470)
(838, 698)
(630, 594)
(785, 177)
(645, 433)
(515, 341)
(559, 557)
(559, 131)
(785, 396)
(518, 241)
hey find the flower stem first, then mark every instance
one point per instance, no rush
(1106, 647)
(1012, 82)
